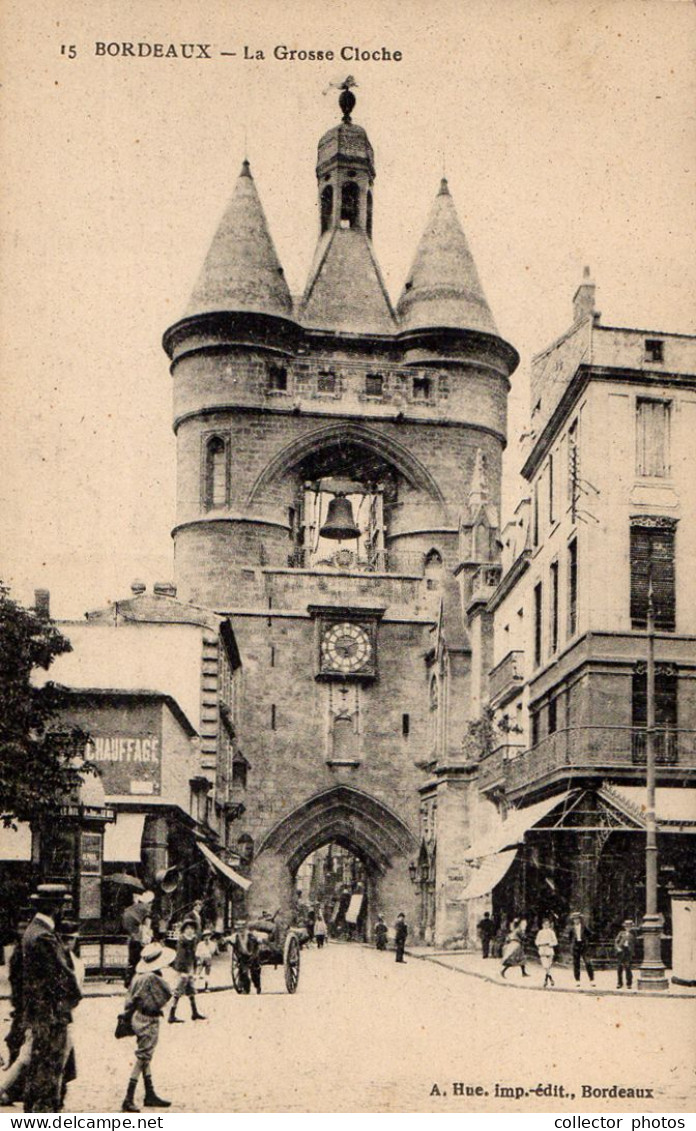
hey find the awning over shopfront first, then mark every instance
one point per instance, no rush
(511, 831)
(223, 868)
(490, 873)
(123, 839)
(675, 809)
(15, 843)
(356, 901)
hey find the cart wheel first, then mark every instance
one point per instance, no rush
(291, 961)
(236, 979)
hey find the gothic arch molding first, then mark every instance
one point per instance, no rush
(368, 438)
(342, 814)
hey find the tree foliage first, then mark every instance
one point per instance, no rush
(483, 735)
(41, 758)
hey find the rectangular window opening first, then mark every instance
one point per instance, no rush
(654, 349)
(573, 587)
(552, 508)
(421, 388)
(273, 716)
(326, 382)
(552, 715)
(554, 608)
(652, 561)
(278, 379)
(652, 437)
(405, 725)
(537, 624)
(374, 385)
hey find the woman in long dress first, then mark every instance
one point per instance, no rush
(513, 951)
(546, 943)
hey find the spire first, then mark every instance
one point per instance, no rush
(443, 287)
(345, 291)
(241, 270)
(478, 488)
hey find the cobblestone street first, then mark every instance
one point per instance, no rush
(364, 1034)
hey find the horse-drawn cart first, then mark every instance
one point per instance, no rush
(273, 945)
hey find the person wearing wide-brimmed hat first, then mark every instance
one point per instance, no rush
(136, 921)
(185, 966)
(51, 992)
(147, 995)
(625, 947)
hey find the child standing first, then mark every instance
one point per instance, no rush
(546, 943)
(147, 994)
(185, 965)
(204, 958)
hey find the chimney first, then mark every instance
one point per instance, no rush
(138, 587)
(584, 298)
(42, 603)
(164, 589)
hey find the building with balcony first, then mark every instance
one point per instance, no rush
(609, 512)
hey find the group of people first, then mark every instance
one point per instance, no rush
(46, 978)
(381, 932)
(579, 936)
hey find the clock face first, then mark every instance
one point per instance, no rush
(346, 648)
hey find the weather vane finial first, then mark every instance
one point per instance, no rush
(346, 98)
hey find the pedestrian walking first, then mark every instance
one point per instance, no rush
(50, 993)
(486, 931)
(185, 966)
(18, 1039)
(625, 947)
(69, 935)
(400, 936)
(246, 949)
(137, 923)
(147, 995)
(580, 938)
(381, 933)
(513, 951)
(205, 949)
(320, 928)
(546, 943)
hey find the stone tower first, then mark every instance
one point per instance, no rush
(280, 412)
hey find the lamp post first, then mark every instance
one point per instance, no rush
(652, 971)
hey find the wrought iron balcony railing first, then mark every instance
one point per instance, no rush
(587, 749)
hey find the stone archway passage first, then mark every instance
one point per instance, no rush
(341, 814)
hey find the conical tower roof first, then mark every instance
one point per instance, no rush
(242, 271)
(443, 287)
(345, 291)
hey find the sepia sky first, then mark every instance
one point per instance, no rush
(566, 130)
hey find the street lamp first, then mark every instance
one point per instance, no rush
(413, 872)
(652, 971)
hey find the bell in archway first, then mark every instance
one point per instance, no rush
(340, 524)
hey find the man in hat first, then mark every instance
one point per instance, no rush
(246, 949)
(136, 921)
(400, 936)
(50, 992)
(625, 946)
(580, 937)
(185, 965)
(147, 995)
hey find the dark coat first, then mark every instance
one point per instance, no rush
(400, 931)
(50, 988)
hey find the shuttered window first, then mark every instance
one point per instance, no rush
(652, 437)
(573, 587)
(652, 556)
(537, 624)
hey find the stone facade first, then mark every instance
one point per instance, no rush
(276, 410)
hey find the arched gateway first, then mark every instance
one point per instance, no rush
(340, 815)
(326, 450)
